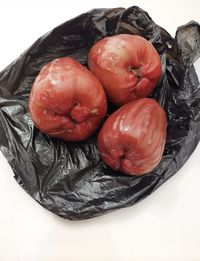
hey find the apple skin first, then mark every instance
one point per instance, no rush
(133, 138)
(128, 66)
(67, 101)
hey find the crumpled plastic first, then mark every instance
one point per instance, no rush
(70, 179)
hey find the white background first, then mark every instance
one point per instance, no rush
(163, 227)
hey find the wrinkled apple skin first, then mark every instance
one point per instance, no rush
(67, 101)
(128, 66)
(132, 139)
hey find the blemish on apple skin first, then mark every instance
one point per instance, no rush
(55, 82)
(44, 96)
(94, 111)
(126, 129)
(96, 58)
(76, 103)
(149, 142)
(120, 45)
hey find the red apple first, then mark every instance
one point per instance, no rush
(128, 66)
(67, 101)
(132, 139)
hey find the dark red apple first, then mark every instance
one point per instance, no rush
(67, 101)
(128, 66)
(132, 139)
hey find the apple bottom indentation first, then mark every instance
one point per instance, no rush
(117, 159)
(120, 160)
(79, 113)
(54, 123)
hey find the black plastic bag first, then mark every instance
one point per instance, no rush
(70, 179)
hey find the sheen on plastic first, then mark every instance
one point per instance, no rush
(68, 178)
